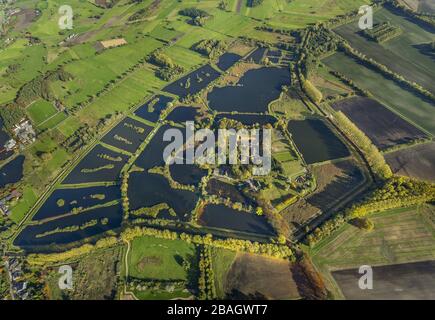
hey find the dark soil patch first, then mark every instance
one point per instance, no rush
(397, 282)
(416, 162)
(257, 277)
(381, 125)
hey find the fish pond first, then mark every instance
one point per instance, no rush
(257, 55)
(71, 228)
(12, 171)
(153, 108)
(247, 119)
(316, 141)
(187, 174)
(253, 93)
(147, 190)
(223, 217)
(182, 114)
(227, 60)
(99, 165)
(227, 190)
(194, 82)
(63, 201)
(127, 135)
(153, 153)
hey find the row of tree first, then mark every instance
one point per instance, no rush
(206, 284)
(43, 259)
(373, 156)
(382, 32)
(268, 249)
(347, 49)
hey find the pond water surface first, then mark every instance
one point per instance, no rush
(28, 237)
(221, 216)
(316, 141)
(12, 171)
(62, 201)
(193, 82)
(253, 93)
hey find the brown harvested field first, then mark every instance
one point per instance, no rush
(427, 6)
(382, 126)
(334, 181)
(257, 277)
(416, 162)
(398, 282)
(410, 4)
(24, 19)
(423, 6)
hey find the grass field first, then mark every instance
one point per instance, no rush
(41, 110)
(221, 261)
(403, 102)
(399, 236)
(152, 258)
(26, 202)
(299, 13)
(403, 54)
(291, 106)
(95, 277)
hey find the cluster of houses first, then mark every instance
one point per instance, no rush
(19, 287)
(24, 132)
(5, 201)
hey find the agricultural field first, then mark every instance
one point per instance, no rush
(408, 281)
(421, 6)
(101, 169)
(333, 182)
(399, 236)
(384, 128)
(163, 261)
(417, 161)
(106, 264)
(403, 54)
(413, 109)
(298, 13)
(256, 277)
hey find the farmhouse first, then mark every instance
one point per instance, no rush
(107, 44)
(24, 132)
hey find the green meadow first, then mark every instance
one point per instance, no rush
(399, 236)
(41, 110)
(403, 54)
(159, 259)
(402, 101)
